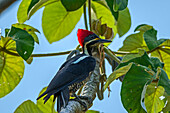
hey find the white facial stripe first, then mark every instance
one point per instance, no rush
(78, 60)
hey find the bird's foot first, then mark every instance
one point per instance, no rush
(81, 102)
(78, 99)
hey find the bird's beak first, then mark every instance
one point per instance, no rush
(103, 41)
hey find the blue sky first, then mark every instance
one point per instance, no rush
(41, 71)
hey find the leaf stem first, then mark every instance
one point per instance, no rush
(89, 9)
(85, 17)
(110, 53)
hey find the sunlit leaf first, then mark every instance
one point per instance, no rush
(166, 109)
(22, 11)
(133, 42)
(151, 39)
(110, 3)
(38, 5)
(164, 57)
(11, 68)
(143, 28)
(28, 107)
(24, 42)
(124, 22)
(31, 30)
(92, 111)
(153, 102)
(48, 107)
(72, 5)
(142, 60)
(132, 88)
(164, 81)
(132, 55)
(57, 22)
(103, 13)
(116, 74)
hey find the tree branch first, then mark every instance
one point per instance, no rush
(5, 4)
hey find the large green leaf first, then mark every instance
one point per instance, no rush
(28, 107)
(11, 68)
(152, 101)
(34, 7)
(48, 107)
(133, 42)
(103, 13)
(110, 3)
(22, 11)
(164, 57)
(151, 39)
(142, 60)
(31, 30)
(164, 81)
(132, 88)
(72, 5)
(120, 4)
(24, 42)
(57, 22)
(116, 74)
(124, 22)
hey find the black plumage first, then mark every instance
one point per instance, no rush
(71, 74)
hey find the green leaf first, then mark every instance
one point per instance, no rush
(133, 42)
(166, 109)
(22, 11)
(48, 107)
(116, 74)
(92, 111)
(57, 22)
(28, 107)
(31, 30)
(132, 88)
(143, 28)
(120, 4)
(152, 100)
(124, 22)
(164, 57)
(133, 55)
(33, 2)
(151, 39)
(72, 5)
(110, 3)
(11, 68)
(24, 42)
(164, 81)
(39, 5)
(156, 62)
(6, 32)
(103, 13)
(143, 60)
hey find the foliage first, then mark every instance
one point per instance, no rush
(145, 59)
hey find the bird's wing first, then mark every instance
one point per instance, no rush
(73, 71)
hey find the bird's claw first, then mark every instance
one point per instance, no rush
(82, 103)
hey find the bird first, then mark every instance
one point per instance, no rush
(74, 72)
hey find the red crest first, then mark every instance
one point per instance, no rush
(81, 34)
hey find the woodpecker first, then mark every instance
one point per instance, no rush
(75, 71)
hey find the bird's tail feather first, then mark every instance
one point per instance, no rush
(62, 99)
